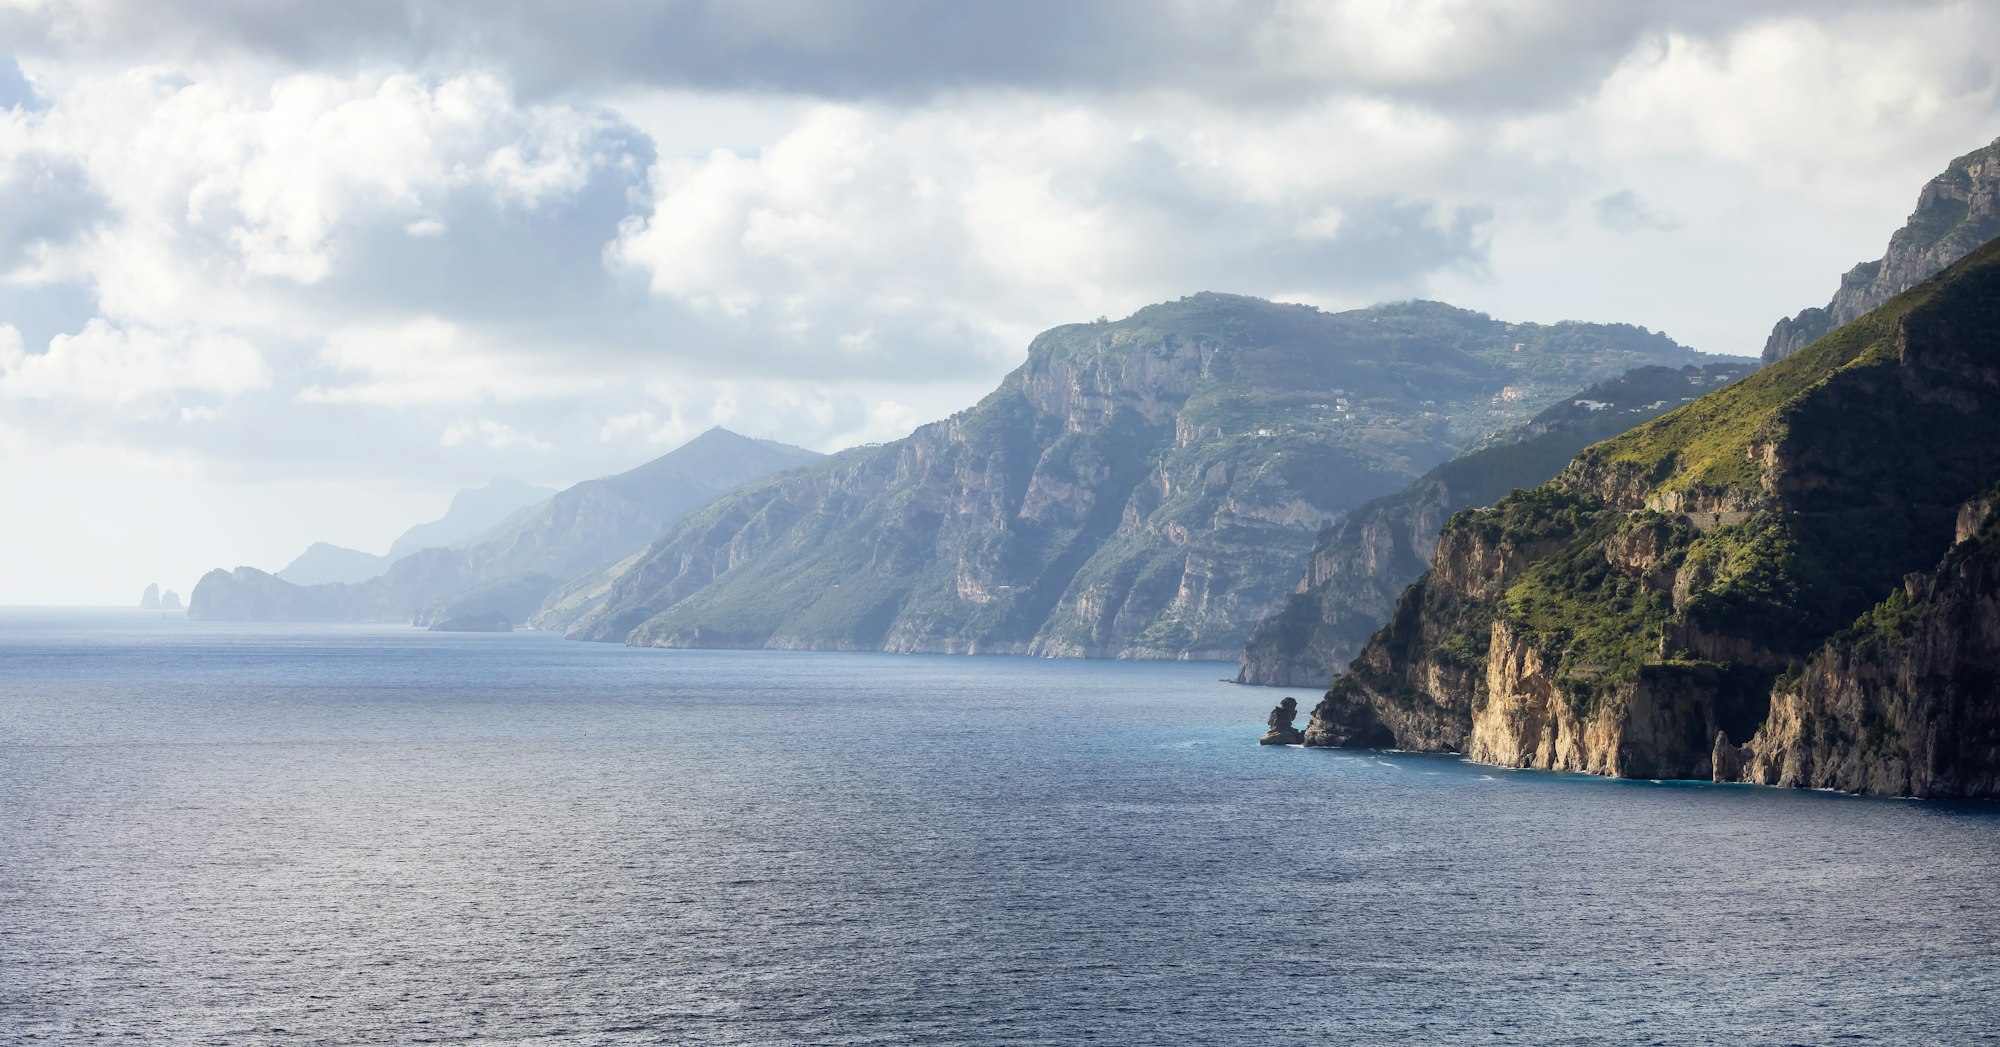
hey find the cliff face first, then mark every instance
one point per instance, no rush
(1957, 212)
(1907, 701)
(1143, 488)
(1656, 595)
(1359, 566)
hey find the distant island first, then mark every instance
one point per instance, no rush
(154, 600)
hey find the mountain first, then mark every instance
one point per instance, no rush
(1957, 212)
(472, 511)
(508, 569)
(1138, 489)
(324, 562)
(1359, 566)
(1788, 580)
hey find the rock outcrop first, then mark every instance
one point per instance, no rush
(1359, 566)
(1281, 724)
(150, 599)
(1735, 569)
(1957, 212)
(170, 601)
(1139, 489)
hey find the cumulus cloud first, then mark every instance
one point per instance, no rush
(123, 367)
(425, 242)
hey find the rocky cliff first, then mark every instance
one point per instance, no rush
(1906, 702)
(1145, 488)
(1957, 212)
(1700, 578)
(1359, 566)
(509, 569)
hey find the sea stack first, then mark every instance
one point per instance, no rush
(151, 600)
(1280, 723)
(170, 601)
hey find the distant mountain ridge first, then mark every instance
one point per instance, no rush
(1139, 488)
(1957, 212)
(507, 569)
(472, 511)
(1361, 565)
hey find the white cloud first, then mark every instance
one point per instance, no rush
(334, 251)
(497, 435)
(120, 367)
(1842, 109)
(430, 361)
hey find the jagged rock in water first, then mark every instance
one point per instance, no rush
(1359, 566)
(1957, 212)
(150, 601)
(1145, 488)
(1735, 569)
(170, 601)
(1280, 722)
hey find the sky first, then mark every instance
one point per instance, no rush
(278, 271)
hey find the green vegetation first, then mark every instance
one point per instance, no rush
(1599, 625)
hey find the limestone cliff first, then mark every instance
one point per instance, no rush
(1907, 701)
(1698, 580)
(1957, 211)
(1145, 488)
(1359, 566)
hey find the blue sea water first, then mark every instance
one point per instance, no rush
(215, 834)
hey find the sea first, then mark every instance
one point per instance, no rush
(346, 834)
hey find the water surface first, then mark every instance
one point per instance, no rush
(220, 834)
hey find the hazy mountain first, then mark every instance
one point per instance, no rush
(1359, 566)
(510, 567)
(1957, 211)
(1144, 488)
(324, 562)
(472, 511)
(1793, 580)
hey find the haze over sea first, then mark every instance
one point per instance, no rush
(234, 834)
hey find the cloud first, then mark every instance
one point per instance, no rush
(122, 367)
(1472, 54)
(431, 362)
(285, 239)
(1624, 212)
(497, 435)
(1833, 108)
